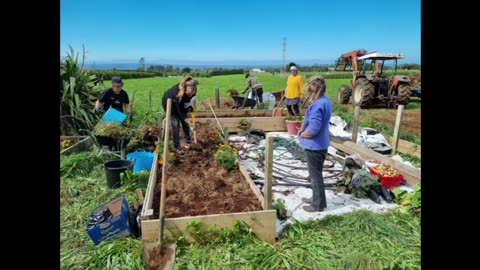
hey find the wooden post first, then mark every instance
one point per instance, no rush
(163, 191)
(217, 98)
(356, 122)
(268, 172)
(161, 126)
(396, 132)
(150, 99)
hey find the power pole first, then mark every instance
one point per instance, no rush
(284, 50)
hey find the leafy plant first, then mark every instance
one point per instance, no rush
(293, 118)
(244, 122)
(78, 89)
(279, 205)
(226, 156)
(412, 200)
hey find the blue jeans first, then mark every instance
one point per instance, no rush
(315, 160)
(175, 120)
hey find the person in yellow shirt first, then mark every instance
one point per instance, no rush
(294, 91)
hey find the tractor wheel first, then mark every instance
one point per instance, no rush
(363, 93)
(404, 93)
(344, 94)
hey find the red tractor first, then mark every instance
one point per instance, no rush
(369, 85)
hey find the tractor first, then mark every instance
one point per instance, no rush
(369, 86)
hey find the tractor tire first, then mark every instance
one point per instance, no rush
(344, 94)
(404, 93)
(363, 93)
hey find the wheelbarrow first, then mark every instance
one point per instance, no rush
(241, 103)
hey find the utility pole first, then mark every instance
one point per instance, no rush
(284, 53)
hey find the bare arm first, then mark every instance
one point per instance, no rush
(128, 108)
(98, 104)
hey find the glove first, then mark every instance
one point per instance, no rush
(130, 116)
(192, 128)
(95, 109)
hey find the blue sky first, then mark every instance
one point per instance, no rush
(225, 31)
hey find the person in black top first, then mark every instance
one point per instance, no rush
(114, 97)
(181, 95)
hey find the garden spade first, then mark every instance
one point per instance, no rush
(194, 128)
(157, 255)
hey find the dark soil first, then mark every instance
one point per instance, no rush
(197, 185)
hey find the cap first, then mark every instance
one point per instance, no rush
(117, 81)
(293, 68)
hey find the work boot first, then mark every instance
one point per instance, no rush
(179, 151)
(310, 208)
(306, 200)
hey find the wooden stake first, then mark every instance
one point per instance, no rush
(217, 98)
(164, 170)
(356, 122)
(268, 172)
(396, 132)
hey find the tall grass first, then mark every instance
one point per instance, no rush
(358, 240)
(82, 188)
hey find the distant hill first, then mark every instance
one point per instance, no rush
(129, 64)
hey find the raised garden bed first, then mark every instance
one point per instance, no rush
(198, 188)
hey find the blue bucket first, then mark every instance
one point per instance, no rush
(143, 160)
(113, 115)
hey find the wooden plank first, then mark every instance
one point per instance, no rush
(251, 183)
(263, 223)
(263, 123)
(147, 210)
(82, 145)
(412, 175)
(407, 147)
(268, 172)
(356, 122)
(396, 131)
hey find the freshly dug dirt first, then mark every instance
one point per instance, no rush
(411, 120)
(198, 185)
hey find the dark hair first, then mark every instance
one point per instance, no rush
(291, 64)
(246, 75)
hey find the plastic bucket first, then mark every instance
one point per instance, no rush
(293, 127)
(143, 160)
(114, 168)
(114, 116)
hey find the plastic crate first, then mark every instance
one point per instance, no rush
(388, 181)
(114, 116)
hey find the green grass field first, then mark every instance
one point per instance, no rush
(206, 88)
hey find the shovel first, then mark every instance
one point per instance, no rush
(156, 255)
(194, 128)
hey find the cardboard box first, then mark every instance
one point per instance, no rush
(116, 226)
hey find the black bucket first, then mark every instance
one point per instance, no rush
(114, 168)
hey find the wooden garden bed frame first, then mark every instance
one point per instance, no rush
(262, 222)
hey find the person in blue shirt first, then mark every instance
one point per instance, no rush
(314, 137)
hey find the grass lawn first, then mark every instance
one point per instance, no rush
(359, 240)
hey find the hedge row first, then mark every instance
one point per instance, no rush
(107, 75)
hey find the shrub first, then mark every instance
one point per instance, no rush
(244, 122)
(226, 156)
(78, 90)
